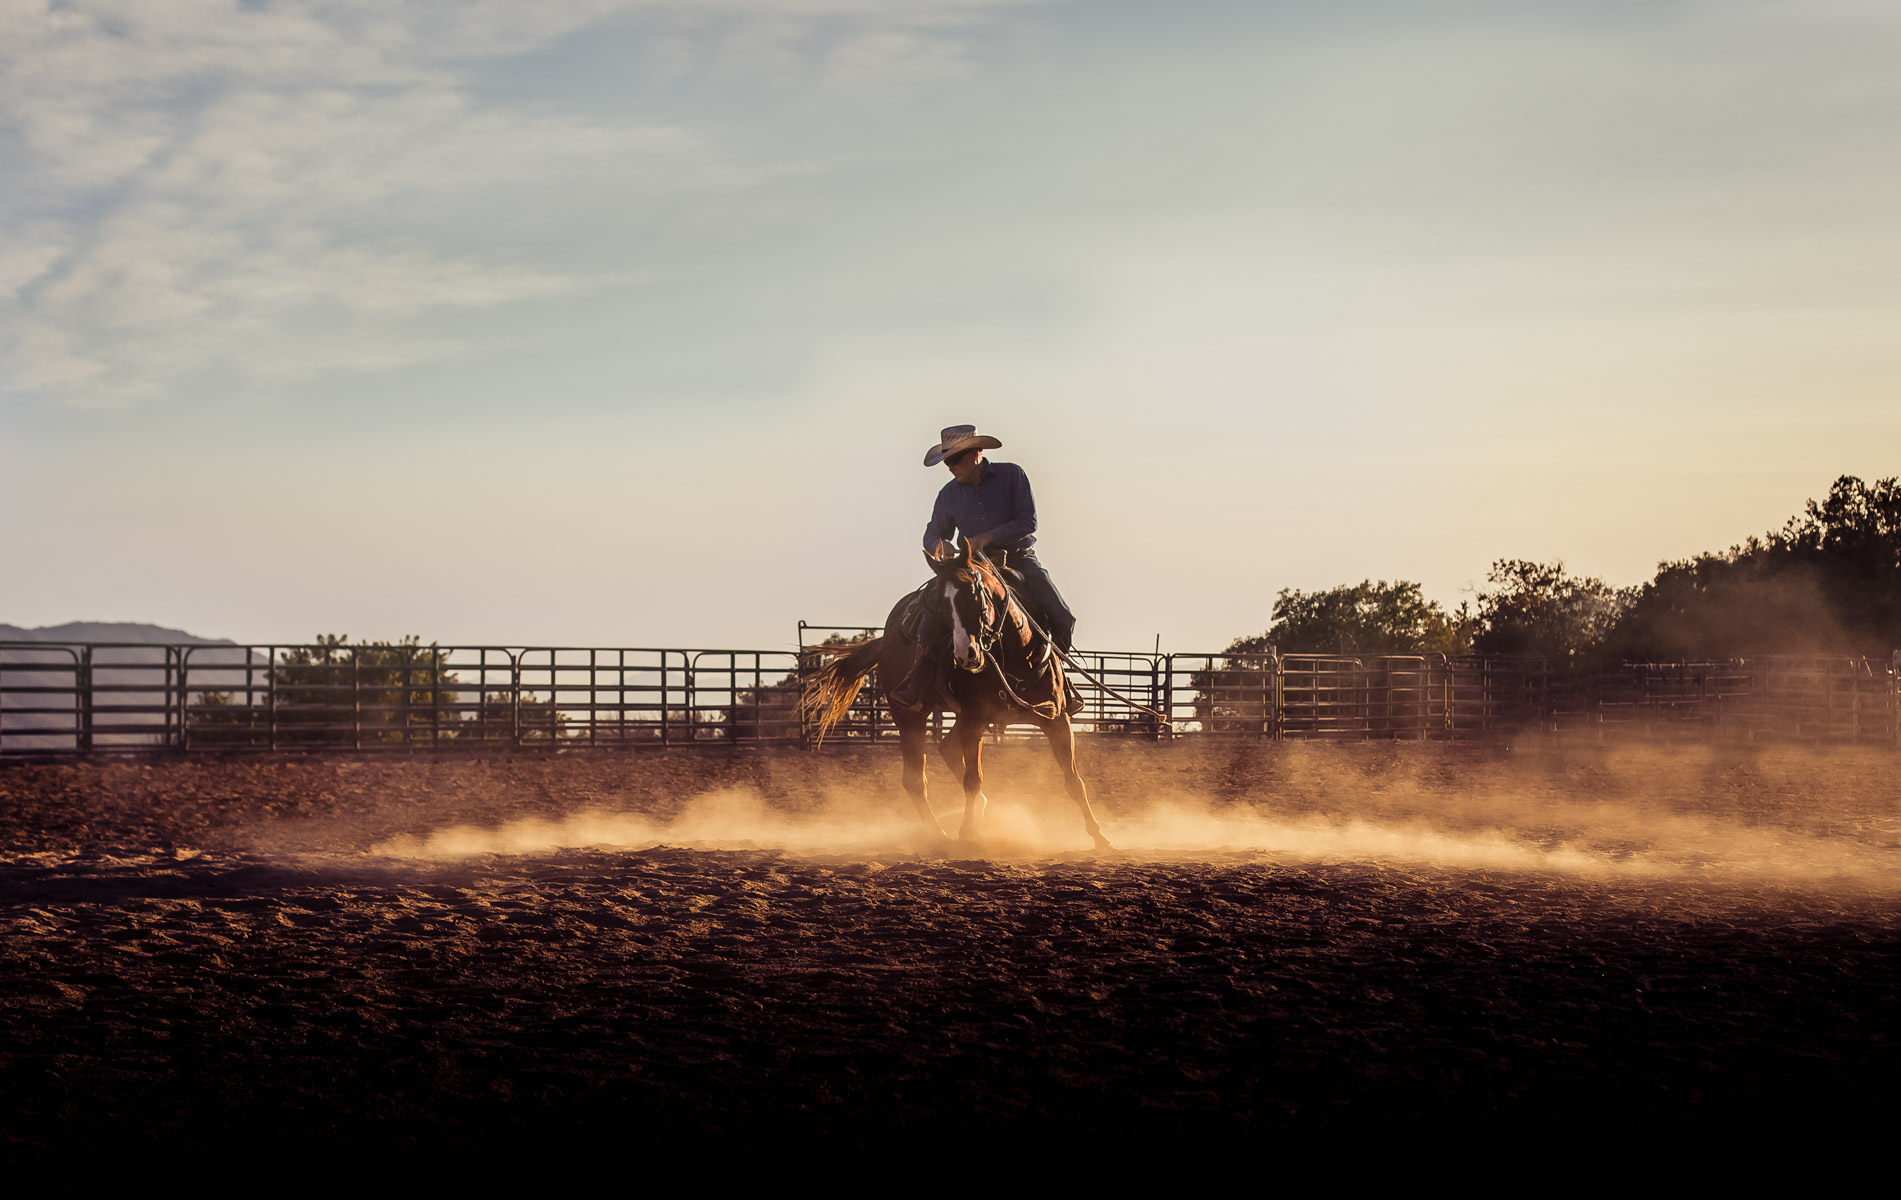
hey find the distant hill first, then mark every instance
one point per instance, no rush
(136, 687)
(107, 631)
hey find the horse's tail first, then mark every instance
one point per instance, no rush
(828, 693)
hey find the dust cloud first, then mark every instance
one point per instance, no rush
(723, 820)
(1784, 817)
(1381, 934)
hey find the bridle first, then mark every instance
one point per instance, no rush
(985, 637)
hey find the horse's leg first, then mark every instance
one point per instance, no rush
(1062, 741)
(911, 739)
(951, 748)
(970, 736)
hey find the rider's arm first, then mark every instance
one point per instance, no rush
(1022, 522)
(942, 527)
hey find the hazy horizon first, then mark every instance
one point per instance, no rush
(629, 323)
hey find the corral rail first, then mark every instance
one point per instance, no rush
(68, 698)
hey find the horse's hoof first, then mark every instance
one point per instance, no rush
(1102, 843)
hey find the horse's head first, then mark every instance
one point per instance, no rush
(979, 605)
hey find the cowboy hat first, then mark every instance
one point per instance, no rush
(956, 440)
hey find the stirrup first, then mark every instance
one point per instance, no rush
(909, 693)
(940, 688)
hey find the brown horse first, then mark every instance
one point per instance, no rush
(1005, 672)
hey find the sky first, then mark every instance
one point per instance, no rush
(592, 322)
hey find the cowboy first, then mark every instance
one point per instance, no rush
(990, 505)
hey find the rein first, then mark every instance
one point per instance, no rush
(1050, 710)
(1050, 642)
(986, 639)
(1141, 708)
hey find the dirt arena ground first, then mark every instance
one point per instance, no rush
(754, 950)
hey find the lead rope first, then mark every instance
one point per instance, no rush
(1048, 711)
(1050, 642)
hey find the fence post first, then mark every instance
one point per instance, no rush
(1168, 700)
(593, 696)
(1821, 728)
(82, 699)
(1155, 692)
(403, 696)
(514, 701)
(1894, 700)
(799, 672)
(1541, 699)
(175, 709)
(1277, 696)
(1854, 704)
(1270, 696)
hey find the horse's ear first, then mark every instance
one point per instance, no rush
(940, 567)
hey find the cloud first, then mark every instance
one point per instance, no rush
(195, 186)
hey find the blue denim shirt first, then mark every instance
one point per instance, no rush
(999, 504)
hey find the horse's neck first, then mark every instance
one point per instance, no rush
(1017, 642)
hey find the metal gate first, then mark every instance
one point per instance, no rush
(79, 699)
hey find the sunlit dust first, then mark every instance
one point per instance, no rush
(1635, 814)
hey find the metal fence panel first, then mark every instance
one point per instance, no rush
(1496, 695)
(1224, 695)
(869, 718)
(1142, 678)
(43, 694)
(64, 698)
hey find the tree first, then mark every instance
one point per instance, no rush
(501, 718)
(1361, 618)
(216, 719)
(1828, 581)
(1356, 620)
(1539, 608)
(1721, 605)
(386, 691)
(772, 710)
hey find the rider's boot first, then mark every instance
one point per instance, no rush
(940, 679)
(909, 693)
(926, 684)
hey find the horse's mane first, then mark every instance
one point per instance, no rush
(991, 571)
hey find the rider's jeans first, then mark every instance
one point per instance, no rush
(1046, 603)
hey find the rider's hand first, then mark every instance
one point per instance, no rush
(943, 551)
(980, 541)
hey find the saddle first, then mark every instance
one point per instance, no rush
(926, 594)
(911, 620)
(1012, 577)
(932, 660)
